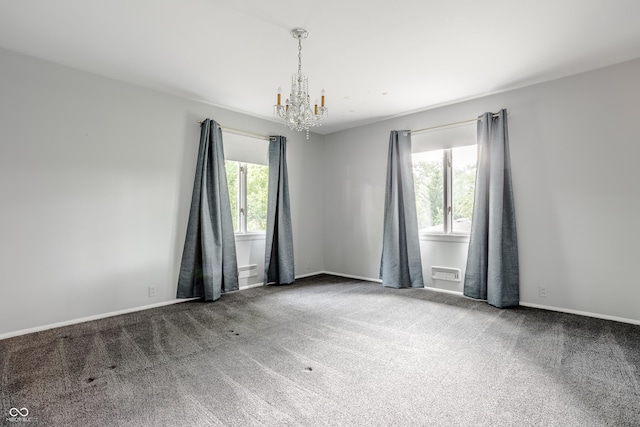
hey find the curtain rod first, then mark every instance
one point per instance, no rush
(449, 124)
(243, 133)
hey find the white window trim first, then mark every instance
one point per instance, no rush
(448, 191)
(251, 236)
(242, 198)
(440, 237)
(243, 234)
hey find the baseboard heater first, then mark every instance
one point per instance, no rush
(445, 273)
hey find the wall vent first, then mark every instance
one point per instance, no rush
(247, 271)
(445, 273)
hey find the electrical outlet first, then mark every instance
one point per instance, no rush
(542, 291)
(152, 291)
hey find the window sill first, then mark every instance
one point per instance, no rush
(452, 238)
(250, 236)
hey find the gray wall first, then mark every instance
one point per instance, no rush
(96, 178)
(95, 185)
(574, 153)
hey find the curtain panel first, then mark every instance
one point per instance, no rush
(400, 264)
(279, 265)
(492, 271)
(209, 266)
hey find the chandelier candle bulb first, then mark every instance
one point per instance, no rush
(279, 94)
(322, 93)
(316, 108)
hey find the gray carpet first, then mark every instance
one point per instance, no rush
(327, 351)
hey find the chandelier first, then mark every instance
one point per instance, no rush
(297, 112)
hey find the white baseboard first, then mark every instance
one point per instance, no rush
(255, 285)
(302, 276)
(351, 276)
(524, 304)
(369, 279)
(581, 313)
(444, 291)
(117, 313)
(89, 318)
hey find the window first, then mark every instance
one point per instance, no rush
(445, 183)
(248, 188)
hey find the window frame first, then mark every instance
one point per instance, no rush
(447, 235)
(242, 233)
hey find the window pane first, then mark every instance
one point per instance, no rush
(429, 184)
(257, 188)
(464, 160)
(232, 182)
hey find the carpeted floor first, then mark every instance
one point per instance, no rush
(326, 351)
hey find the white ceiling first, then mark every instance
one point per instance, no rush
(374, 59)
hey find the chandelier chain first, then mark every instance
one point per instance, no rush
(299, 55)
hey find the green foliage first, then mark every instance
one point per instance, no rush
(428, 175)
(429, 188)
(257, 190)
(464, 181)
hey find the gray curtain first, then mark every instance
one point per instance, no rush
(209, 266)
(278, 264)
(492, 265)
(400, 265)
